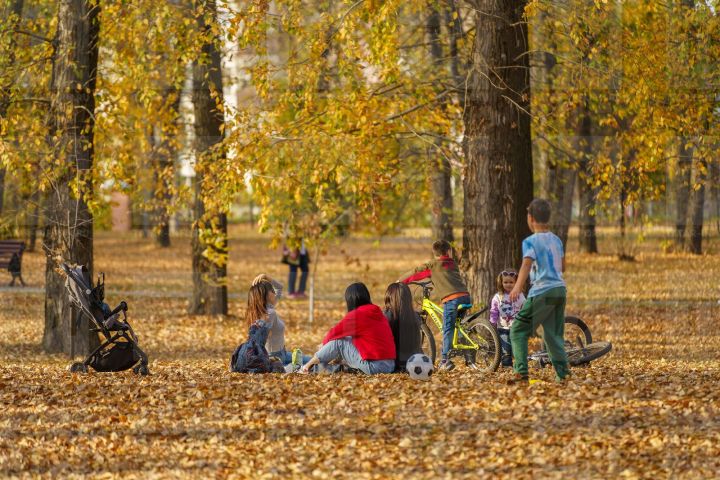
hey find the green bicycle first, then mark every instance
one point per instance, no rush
(474, 338)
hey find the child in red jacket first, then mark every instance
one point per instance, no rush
(362, 340)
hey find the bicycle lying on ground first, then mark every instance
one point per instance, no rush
(477, 340)
(579, 346)
(474, 338)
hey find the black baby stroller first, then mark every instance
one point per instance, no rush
(119, 349)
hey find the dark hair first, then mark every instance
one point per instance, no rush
(257, 301)
(404, 322)
(399, 301)
(501, 275)
(441, 247)
(356, 295)
(540, 210)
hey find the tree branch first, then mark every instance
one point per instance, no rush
(33, 35)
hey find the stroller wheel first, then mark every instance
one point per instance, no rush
(78, 367)
(141, 370)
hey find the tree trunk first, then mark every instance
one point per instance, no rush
(698, 208)
(33, 220)
(682, 192)
(442, 201)
(16, 8)
(209, 274)
(561, 187)
(587, 193)
(69, 227)
(714, 185)
(498, 178)
(164, 173)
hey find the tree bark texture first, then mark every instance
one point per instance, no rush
(698, 208)
(683, 178)
(68, 232)
(209, 287)
(440, 169)
(498, 178)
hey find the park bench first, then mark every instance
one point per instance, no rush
(11, 258)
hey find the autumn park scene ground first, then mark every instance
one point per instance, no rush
(648, 409)
(259, 180)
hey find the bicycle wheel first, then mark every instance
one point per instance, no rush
(427, 342)
(588, 353)
(577, 333)
(487, 357)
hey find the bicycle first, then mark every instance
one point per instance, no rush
(474, 338)
(579, 345)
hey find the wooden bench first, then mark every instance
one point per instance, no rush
(11, 259)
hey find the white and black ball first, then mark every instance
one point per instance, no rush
(419, 366)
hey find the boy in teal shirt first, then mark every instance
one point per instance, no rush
(544, 262)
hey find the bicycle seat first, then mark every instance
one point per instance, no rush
(464, 306)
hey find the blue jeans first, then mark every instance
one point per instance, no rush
(506, 346)
(449, 317)
(343, 349)
(286, 357)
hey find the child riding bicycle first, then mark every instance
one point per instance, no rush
(450, 287)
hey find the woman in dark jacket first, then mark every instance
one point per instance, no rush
(404, 323)
(362, 340)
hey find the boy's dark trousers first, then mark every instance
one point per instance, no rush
(548, 310)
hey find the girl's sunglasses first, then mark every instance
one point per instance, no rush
(508, 274)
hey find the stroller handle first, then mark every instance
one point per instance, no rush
(122, 307)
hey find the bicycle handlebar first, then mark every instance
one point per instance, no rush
(421, 284)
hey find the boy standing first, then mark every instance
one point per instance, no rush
(544, 262)
(449, 286)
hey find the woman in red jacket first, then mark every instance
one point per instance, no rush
(362, 340)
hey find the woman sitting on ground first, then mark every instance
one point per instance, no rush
(404, 323)
(262, 299)
(362, 340)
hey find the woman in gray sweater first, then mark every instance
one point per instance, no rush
(264, 309)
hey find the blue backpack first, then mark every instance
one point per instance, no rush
(251, 356)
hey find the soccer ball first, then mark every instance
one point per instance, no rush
(419, 366)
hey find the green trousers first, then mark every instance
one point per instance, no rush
(548, 310)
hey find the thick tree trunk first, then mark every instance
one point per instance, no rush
(442, 201)
(209, 274)
(698, 208)
(499, 177)
(69, 227)
(682, 192)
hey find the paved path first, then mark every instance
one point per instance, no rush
(30, 290)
